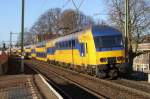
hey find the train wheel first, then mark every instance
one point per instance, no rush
(48, 61)
(113, 74)
(102, 74)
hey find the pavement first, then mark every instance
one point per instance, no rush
(26, 87)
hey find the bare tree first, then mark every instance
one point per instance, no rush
(72, 20)
(139, 22)
(54, 22)
(28, 37)
(48, 22)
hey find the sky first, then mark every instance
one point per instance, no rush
(10, 17)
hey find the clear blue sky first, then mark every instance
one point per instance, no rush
(10, 17)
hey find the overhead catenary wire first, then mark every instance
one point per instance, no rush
(65, 4)
(78, 13)
(75, 5)
(43, 4)
(81, 3)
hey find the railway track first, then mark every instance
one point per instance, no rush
(98, 87)
(60, 84)
(67, 96)
(133, 84)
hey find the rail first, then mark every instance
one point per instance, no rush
(98, 87)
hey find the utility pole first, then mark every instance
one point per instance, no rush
(126, 28)
(22, 37)
(10, 42)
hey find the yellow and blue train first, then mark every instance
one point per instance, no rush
(98, 49)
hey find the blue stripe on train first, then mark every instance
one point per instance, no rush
(110, 49)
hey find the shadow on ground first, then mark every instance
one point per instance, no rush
(137, 76)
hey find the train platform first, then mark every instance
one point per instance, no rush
(26, 87)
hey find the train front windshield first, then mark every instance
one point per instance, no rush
(108, 41)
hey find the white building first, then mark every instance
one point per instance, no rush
(142, 62)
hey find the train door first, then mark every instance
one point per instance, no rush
(84, 54)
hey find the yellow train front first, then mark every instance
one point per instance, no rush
(110, 52)
(98, 50)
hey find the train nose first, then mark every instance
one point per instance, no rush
(111, 60)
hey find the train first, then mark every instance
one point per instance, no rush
(97, 50)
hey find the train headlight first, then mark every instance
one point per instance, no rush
(103, 59)
(121, 58)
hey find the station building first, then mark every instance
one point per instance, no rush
(142, 62)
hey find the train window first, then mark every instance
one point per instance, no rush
(33, 51)
(63, 44)
(48, 50)
(70, 44)
(82, 49)
(43, 54)
(108, 41)
(73, 43)
(86, 48)
(59, 44)
(56, 44)
(66, 44)
(53, 50)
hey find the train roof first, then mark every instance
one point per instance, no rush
(96, 31)
(69, 37)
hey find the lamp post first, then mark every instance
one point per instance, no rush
(126, 28)
(22, 37)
